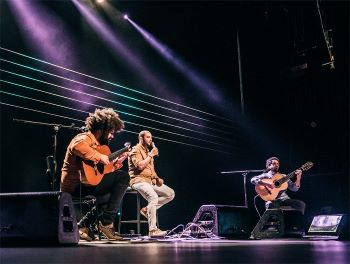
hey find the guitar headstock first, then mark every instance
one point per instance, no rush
(308, 165)
(127, 145)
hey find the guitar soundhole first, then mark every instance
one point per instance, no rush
(277, 184)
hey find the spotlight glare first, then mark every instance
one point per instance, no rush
(126, 17)
(100, 1)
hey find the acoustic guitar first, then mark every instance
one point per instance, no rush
(279, 182)
(95, 172)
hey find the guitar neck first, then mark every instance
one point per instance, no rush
(287, 177)
(117, 153)
(308, 165)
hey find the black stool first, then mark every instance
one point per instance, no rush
(83, 205)
(137, 221)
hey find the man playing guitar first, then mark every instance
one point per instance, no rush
(111, 184)
(266, 187)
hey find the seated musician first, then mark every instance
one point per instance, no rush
(84, 148)
(281, 199)
(145, 180)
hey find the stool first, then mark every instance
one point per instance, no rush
(137, 221)
(89, 204)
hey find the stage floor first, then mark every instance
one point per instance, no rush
(185, 251)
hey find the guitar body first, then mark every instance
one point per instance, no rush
(279, 182)
(94, 172)
(268, 194)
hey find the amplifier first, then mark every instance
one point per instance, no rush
(38, 217)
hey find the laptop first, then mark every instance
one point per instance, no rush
(325, 227)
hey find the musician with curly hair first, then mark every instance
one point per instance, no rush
(83, 156)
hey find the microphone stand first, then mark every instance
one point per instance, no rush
(51, 161)
(244, 174)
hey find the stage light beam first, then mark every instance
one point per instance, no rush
(199, 80)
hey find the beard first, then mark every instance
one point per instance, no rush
(149, 146)
(274, 169)
(104, 139)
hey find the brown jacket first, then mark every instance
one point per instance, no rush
(82, 147)
(137, 154)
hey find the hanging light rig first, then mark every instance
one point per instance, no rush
(328, 39)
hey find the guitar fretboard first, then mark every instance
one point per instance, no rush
(117, 153)
(305, 167)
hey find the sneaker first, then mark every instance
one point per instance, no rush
(143, 212)
(85, 234)
(157, 233)
(109, 232)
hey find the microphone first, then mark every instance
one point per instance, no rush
(83, 129)
(153, 146)
(268, 169)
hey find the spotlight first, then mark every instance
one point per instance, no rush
(100, 1)
(126, 17)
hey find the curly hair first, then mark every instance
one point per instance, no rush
(269, 161)
(105, 119)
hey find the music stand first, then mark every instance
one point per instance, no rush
(244, 174)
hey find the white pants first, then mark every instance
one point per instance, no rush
(156, 198)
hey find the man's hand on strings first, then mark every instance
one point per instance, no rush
(118, 162)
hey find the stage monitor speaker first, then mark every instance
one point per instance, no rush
(38, 218)
(276, 223)
(270, 225)
(224, 220)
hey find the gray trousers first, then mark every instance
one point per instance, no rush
(156, 198)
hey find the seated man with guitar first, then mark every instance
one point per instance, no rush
(90, 168)
(271, 186)
(145, 180)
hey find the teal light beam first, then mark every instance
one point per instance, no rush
(114, 93)
(100, 106)
(65, 117)
(114, 84)
(112, 101)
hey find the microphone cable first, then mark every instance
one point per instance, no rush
(256, 208)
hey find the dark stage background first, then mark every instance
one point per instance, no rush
(294, 107)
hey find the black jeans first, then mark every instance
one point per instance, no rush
(294, 203)
(109, 194)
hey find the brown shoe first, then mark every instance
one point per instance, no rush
(109, 232)
(85, 234)
(157, 233)
(143, 212)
